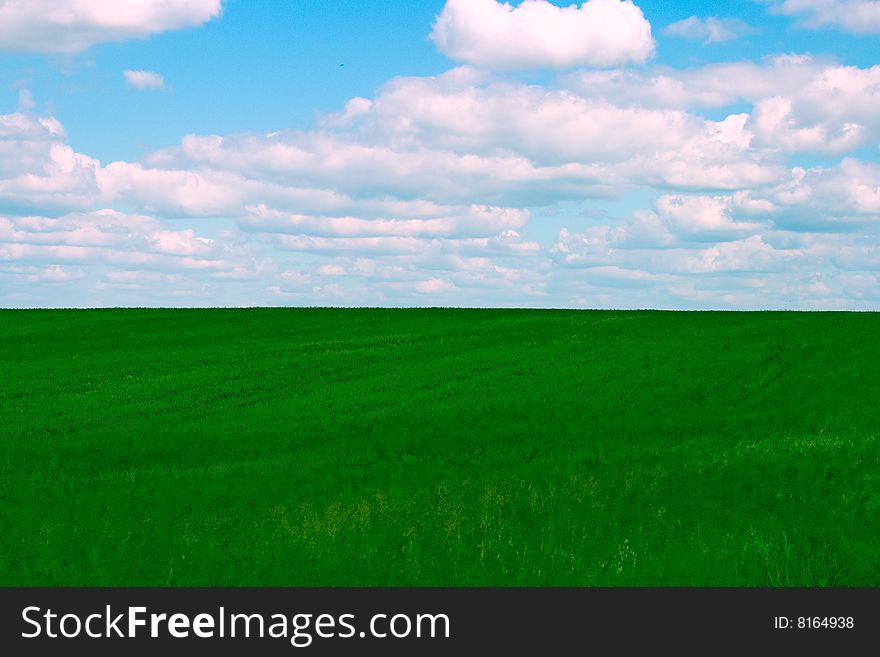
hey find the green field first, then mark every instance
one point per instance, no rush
(293, 447)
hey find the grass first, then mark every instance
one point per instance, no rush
(284, 447)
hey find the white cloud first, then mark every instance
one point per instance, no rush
(334, 181)
(354, 109)
(144, 80)
(775, 124)
(612, 276)
(703, 218)
(173, 192)
(536, 34)
(842, 197)
(799, 103)
(563, 135)
(331, 270)
(507, 244)
(420, 193)
(457, 139)
(856, 16)
(751, 254)
(678, 222)
(52, 274)
(833, 112)
(39, 171)
(708, 30)
(113, 258)
(709, 86)
(107, 234)
(406, 270)
(67, 26)
(475, 221)
(434, 286)
(549, 126)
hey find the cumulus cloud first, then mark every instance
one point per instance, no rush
(591, 249)
(799, 103)
(414, 271)
(703, 218)
(458, 139)
(549, 126)
(106, 257)
(708, 30)
(842, 197)
(110, 236)
(173, 192)
(831, 113)
(435, 286)
(68, 26)
(811, 242)
(702, 87)
(507, 244)
(856, 16)
(420, 195)
(775, 122)
(144, 80)
(474, 221)
(39, 171)
(536, 34)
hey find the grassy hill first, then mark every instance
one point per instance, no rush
(439, 447)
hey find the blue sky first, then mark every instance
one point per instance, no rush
(420, 153)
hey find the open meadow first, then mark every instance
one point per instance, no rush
(292, 447)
